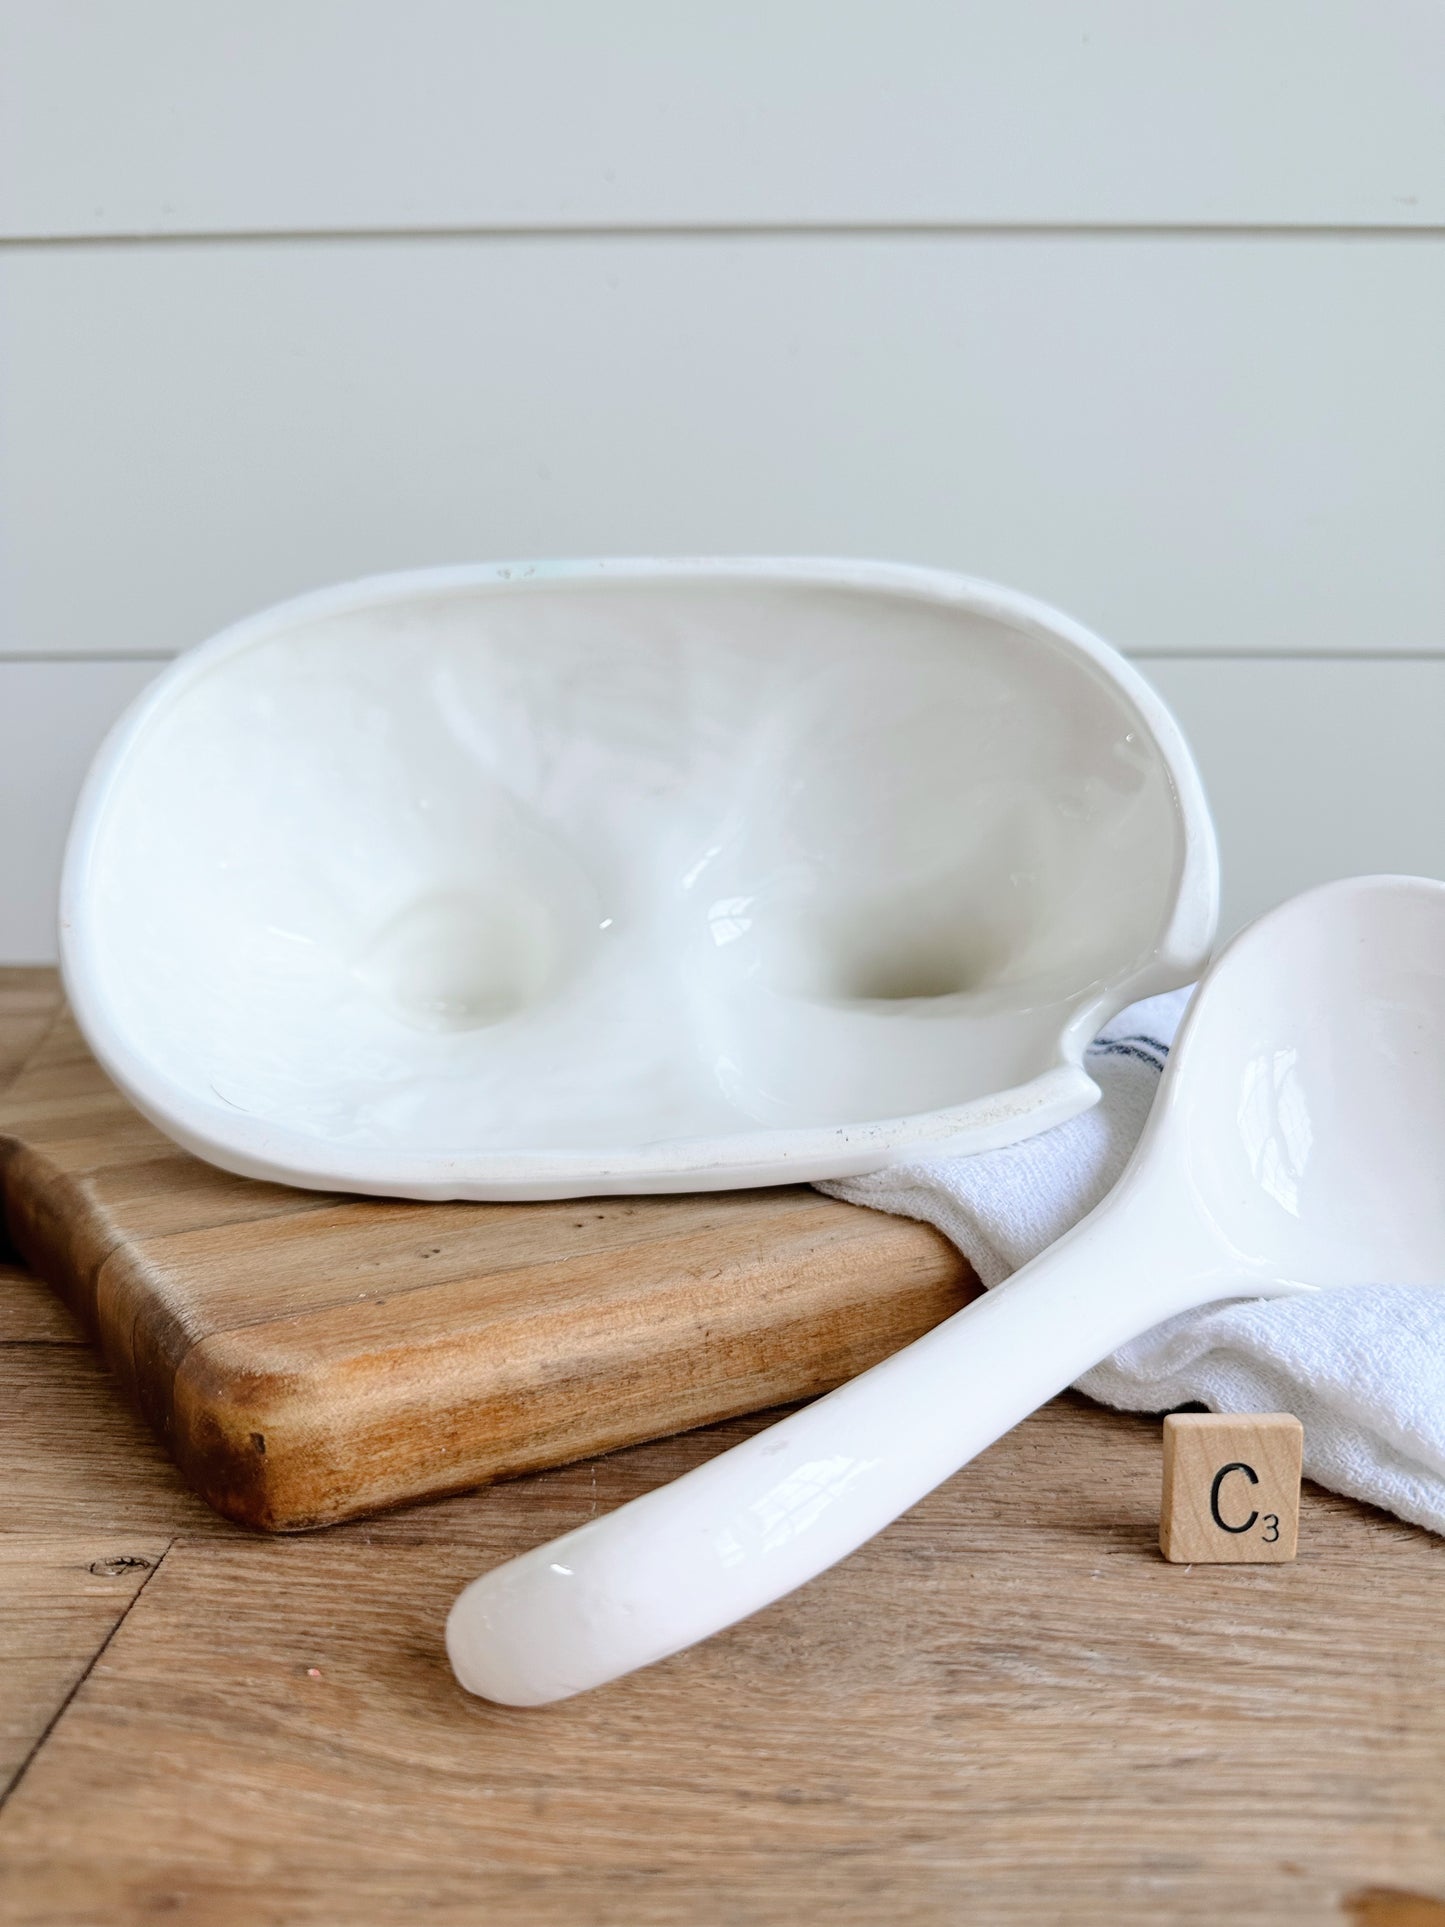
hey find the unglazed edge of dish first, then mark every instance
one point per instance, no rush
(765, 1155)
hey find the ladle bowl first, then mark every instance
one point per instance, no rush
(1297, 1143)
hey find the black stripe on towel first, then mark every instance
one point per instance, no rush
(1148, 1050)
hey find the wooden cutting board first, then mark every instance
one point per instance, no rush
(309, 1357)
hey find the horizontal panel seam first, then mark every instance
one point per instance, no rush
(1001, 230)
(1285, 655)
(84, 656)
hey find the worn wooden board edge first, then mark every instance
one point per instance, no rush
(283, 1431)
(29, 1000)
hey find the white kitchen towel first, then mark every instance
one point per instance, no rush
(1363, 1368)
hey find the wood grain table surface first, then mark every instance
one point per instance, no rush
(1007, 1709)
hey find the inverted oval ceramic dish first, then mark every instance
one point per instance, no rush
(594, 877)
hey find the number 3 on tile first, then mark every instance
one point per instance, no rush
(1231, 1488)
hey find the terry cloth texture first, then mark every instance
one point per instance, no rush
(1363, 1368)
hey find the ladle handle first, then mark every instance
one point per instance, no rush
(752, 1524)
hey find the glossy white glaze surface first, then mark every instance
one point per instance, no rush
(1297, 1142)
(555, 879)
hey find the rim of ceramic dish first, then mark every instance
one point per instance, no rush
(763, 1154)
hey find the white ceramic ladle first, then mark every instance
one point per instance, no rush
(1297, 1142)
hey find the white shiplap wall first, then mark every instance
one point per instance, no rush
(1138, 308)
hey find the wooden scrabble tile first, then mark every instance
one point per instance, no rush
(1231, 1487)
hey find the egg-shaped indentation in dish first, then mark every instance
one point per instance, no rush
(931, 856)
(462, 958)
(322, 906)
